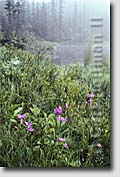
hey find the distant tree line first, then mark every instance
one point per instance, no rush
(48, 21)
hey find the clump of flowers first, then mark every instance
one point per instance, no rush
(89, 98)
(29, 127)
(58, 110)
(21, 117)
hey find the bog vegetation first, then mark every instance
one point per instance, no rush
(49, 115)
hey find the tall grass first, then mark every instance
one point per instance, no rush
(33, 86)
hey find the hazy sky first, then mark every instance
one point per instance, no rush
(42, 0)
(88, 1)
(94, 8)
(93, 5)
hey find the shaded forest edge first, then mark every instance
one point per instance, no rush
(21, 19)
(40, 27)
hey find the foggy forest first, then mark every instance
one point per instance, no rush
(61, 22)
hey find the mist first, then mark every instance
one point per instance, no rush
(63, 23)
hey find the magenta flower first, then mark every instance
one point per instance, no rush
(61, 119)
(58, 110)
(65, 145)
(61, 139)
(21, 116)
(30, 129)
(89, 97)
(28, 124)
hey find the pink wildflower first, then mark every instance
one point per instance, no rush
(65, 145)
(61, 139)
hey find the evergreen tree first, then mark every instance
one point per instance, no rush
(9, 7)
(19, 14)
(44, 25)
(53, 20)
(60, 20)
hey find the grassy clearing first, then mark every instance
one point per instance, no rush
(33, 87)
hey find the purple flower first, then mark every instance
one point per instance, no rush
(61, 119)
(28, 124)
(65, 145)
(30, 129)
(89, 97)
(66, 106)
(61, 139)
(21, 116)
(58, 110)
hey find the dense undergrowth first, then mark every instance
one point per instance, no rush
(46, 118)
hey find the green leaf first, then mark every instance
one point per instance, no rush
(18, 110)
(13, 121)
(36, 148)
(38, 142)
(52, 123)
(0, 143)
(35, 110)
(45, 115)
(51, 130)
(51, 116)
